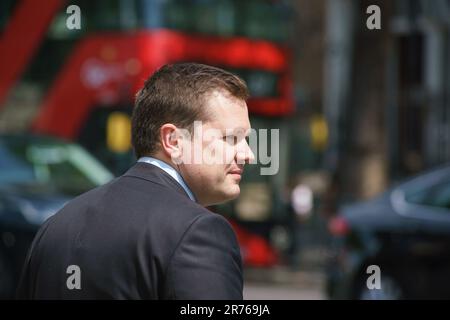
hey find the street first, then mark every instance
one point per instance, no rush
(271, 292)
(283, 284)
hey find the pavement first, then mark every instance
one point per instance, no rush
(283, 283)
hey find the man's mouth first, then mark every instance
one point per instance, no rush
(236, 173)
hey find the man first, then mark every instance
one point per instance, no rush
(147, 234)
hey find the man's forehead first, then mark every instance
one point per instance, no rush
(227, 112)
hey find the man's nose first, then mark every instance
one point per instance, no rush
(244, 153)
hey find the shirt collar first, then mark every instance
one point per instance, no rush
(171, 171)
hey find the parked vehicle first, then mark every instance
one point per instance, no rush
(38, 175)
(405, 233)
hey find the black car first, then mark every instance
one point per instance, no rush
(38, 175)
(405, 233)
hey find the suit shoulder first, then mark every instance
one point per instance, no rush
(215, 224)
(206, 263)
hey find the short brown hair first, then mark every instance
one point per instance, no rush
(176, 94)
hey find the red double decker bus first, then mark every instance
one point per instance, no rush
(87, 79)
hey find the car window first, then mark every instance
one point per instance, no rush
(66, 167)
(13, 169)
(437, 195)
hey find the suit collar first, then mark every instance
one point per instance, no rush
(154, 174)
(171, 171)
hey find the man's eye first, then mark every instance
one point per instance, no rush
(231, 139)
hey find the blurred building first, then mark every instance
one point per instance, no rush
(384, 92)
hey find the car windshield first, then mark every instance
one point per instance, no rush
(62, 166)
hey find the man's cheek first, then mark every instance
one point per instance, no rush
(186, 156)
(213, 153)
(228, 154)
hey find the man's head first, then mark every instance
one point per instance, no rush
(210, 155)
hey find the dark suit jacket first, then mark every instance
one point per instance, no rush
(137, 237)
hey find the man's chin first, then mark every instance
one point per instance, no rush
(235, 191)
(226, 196)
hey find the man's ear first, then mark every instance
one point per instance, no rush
(169, 141)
